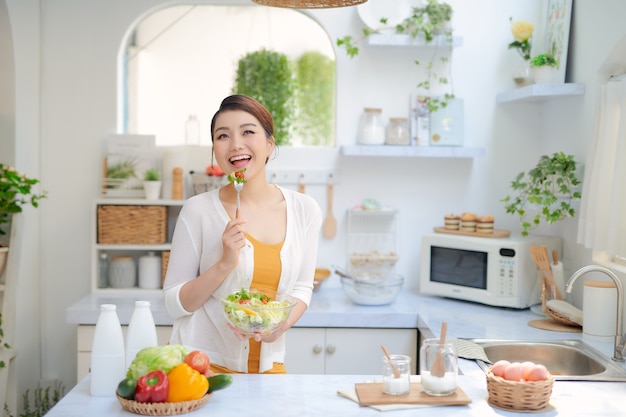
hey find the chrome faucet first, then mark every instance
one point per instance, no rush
(619, 344)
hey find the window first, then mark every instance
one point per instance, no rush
(182, 61)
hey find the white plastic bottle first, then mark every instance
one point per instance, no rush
(107, 353)
(141, 331)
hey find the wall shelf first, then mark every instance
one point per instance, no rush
(541, 92)
(413, 151)
(398, 39)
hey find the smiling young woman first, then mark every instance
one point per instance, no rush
(271, 246)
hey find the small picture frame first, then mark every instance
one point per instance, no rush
(556, 36)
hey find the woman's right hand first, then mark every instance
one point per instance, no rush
(233, 239)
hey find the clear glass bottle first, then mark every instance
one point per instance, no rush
(192, 131)
(371, 127)
(107, 353)
(398, 131)
(103, 270)
(141, 331)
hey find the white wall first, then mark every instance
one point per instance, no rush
(66, 98)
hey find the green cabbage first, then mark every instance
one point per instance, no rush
(154, 358)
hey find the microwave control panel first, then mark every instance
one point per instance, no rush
(507, 277)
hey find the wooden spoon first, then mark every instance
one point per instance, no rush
(396, 373)
(438, 367)
(329, 228)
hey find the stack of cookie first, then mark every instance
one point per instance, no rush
(484, 224)
(452, 221)
(468, 222)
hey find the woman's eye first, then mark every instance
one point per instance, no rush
(222, 136)
(248, 132)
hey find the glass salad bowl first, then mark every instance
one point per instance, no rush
(251, 311)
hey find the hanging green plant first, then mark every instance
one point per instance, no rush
(426, 21)
(268, 76)
(548, 190)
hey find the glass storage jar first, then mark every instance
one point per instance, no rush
(398, 131)
(371, 127)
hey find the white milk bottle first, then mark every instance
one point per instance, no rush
(107, 353)
(141, 331)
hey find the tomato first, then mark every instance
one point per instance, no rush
(198, 360)
(239, 174)
(214, 170)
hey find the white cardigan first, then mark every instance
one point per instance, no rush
(197, 245)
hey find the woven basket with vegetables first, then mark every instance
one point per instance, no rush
(169, 380)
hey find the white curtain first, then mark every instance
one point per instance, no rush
(602, 224)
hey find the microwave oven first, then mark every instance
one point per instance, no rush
(493, 271)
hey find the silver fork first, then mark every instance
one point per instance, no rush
(238, 186)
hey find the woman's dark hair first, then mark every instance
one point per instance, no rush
(249, 105)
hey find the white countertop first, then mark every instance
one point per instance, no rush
(313, 395)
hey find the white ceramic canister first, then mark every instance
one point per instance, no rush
(599, 310)
(107, 353)
(122, 272)
(150, 271)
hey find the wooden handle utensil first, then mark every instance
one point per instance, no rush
(396, 373)
(438, 367)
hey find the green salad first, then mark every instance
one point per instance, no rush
(252, 312)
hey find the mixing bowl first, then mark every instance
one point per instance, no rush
(372, 291)
(252, 315)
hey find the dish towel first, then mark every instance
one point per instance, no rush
(467, 349)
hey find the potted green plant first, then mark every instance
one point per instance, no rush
(543, 67)
(152, 183)
(545, 193)
(268, 76)
(427, 21)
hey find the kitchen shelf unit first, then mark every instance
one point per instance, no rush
(134, 250)
(413, 151)
(399, 39)
(541, 92)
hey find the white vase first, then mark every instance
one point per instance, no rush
(152, 189)
(522, 75)
(544, 75)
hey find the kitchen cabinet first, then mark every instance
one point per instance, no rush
(349, 351)
(133, 250)
(541, 92)
(85, 341)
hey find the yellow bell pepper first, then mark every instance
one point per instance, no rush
(186, 384)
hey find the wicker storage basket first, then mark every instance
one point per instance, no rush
(141, 225)
(162, 409)
(521, 396)
(165, 259)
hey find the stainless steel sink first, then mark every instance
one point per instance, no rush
(567, 360)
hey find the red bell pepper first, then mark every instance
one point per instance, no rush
(152, 388)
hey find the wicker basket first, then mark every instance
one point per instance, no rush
(520, 396)
(140, 225)
(165, 259)
(203, 183)
(162, 409)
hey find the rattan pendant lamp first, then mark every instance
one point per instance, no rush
(309, 4)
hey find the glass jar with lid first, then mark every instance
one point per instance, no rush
(398, 131)
(371, 127)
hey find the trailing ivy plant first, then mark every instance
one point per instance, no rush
(425, 21)
(268, 76)
(550, 188)
(315, 74)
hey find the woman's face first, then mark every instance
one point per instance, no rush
(240, 142)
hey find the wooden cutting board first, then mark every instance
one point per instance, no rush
(496, 232)
(372, 394)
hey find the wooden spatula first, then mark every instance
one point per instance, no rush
(541, 259)
(438, 367)
(329, 228)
